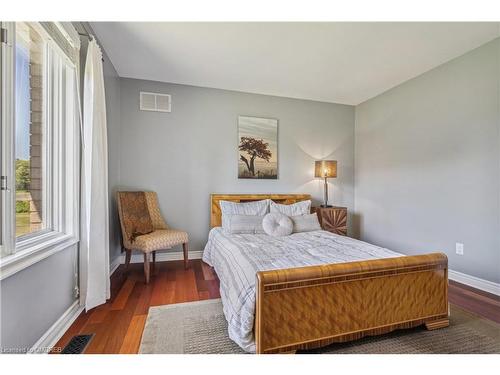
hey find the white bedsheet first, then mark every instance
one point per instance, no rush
(237, 258)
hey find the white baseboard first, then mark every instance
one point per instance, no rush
(57, 330)
(160, 257)
(475, 282)
(163, 257)
(115, 263)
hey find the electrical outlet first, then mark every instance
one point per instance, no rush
(459, 248)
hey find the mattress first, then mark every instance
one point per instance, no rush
(237, 258)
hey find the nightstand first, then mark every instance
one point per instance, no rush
(332, 219)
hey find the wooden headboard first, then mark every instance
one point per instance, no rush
(216, 214)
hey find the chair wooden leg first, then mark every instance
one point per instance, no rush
(146, 267)
(185, 251)
(154, 262)
(128, 255)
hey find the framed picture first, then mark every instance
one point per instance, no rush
(257, 148)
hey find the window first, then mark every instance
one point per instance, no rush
(39, 140)
(29, 129)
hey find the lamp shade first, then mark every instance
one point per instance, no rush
(325, 168)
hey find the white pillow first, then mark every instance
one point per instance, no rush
(305, 223)
(245, 224)
(295, 209)
(277, 225)
(228, 208)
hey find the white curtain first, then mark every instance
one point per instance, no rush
(94, 241)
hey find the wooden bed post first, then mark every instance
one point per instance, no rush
(309, 307)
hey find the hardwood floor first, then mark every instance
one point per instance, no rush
(117, 325)
(481, 303)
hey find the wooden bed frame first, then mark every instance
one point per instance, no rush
(310, 307)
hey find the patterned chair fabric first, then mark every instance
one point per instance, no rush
(159, 239)
(162, 237)
(154, 210)
(135, 217)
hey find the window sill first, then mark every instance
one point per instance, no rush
(33, 251)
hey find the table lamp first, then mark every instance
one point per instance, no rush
(325, 169)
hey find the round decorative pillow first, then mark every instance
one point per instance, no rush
(277, 225)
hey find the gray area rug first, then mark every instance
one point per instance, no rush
(200, 328)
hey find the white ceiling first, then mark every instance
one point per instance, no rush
(334, 62)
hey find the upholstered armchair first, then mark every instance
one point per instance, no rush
(144, 228)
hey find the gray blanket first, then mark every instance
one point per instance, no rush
(237, 257)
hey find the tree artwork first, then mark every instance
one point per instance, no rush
(256, 148)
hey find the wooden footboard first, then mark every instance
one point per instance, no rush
(308, 307)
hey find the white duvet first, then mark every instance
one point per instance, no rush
(236, 259)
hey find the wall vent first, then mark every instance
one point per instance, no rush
(150, 101)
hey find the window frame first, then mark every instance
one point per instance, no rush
(7, 64)
(60, 157)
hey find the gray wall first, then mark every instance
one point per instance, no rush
(428, 164)
(191, 152)
(34, 298)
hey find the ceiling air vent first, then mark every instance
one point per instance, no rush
(151, 101)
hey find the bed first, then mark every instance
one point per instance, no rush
(311, 289)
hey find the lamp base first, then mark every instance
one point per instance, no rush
(325, 205)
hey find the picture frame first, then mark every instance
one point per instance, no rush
(257, 148)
